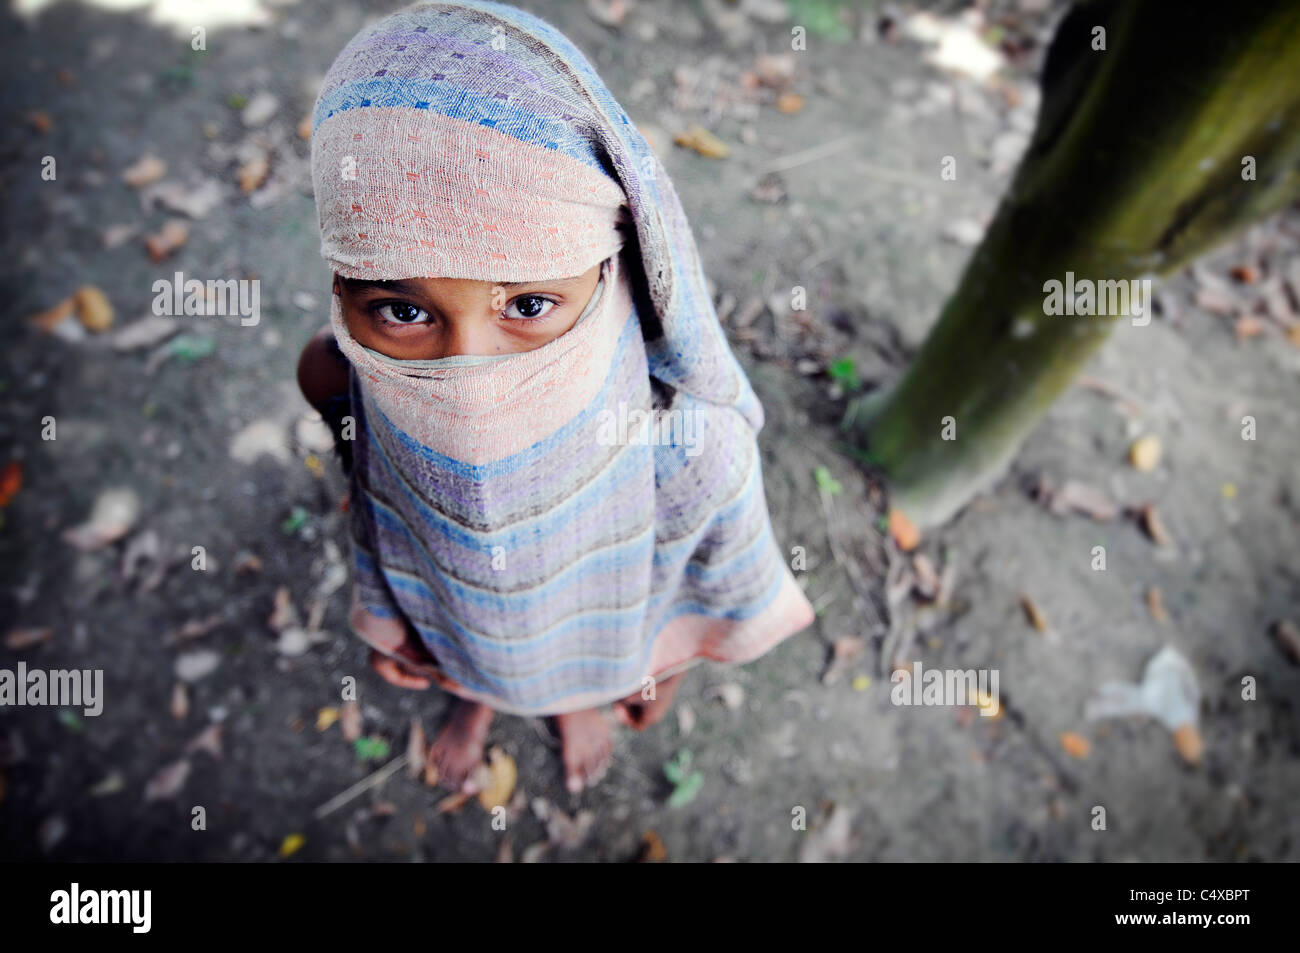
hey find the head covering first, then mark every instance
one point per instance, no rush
(546, 529)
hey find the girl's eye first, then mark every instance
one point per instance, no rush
(529, 306)
(402, 314)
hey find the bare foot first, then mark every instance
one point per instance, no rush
(639, 713)
(458, 749)
(586, 747)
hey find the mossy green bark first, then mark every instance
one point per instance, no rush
(1135, 167)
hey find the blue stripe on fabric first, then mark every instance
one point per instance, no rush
(503, 687)
(626, 554)
(456, 102)
(629, 462)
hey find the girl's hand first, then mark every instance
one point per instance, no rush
(393, 672)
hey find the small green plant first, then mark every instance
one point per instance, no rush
(192, 347)
(175, 79)
(826, 483)
(686, 783)
(845, 373)
(820, 17)
(371, 749)
(295, 521)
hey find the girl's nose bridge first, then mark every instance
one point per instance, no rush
(468, 333)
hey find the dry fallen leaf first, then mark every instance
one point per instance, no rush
(416, 749)
(51, 832)
(19, 639)
(350, 721)
(193, 666)
(146, 332)
(1247, 326)
(246, 562)
(1215, 301)
(112, 517)
(193, 629)
(685, 719)
(295, 641)
(775, 69)
(903, 530)
(789, 103)
(253, 173)
(40, 121)
(703, 142)
(111, 784)
(1152, 525)
(283, 614)
(496, 793)
(568, 832)
(926, 579)
(209, 740)
(1156, 604)
(115, 235)
(51, 318)
(609, 13)
(533, 853)
(1246, 274)
(189, 199)
(326, 717)
(652, 849)
(146, 170)
(1144, 455)
(1075, 744)
(292, 844)
(1287, 637)
(174, 234)
(180, 706)
(93, 308)
(168, 782)
(1188, 742)
(1033, 613)
(731, 695)
(1081, 498)
(11, 481)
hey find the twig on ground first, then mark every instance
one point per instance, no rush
(365, 784)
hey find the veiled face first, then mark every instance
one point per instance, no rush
(432, 318)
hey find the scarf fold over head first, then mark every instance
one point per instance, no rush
(552, 525)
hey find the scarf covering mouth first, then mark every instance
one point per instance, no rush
(542, 531)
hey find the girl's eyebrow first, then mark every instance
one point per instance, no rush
(563, 282)
(398, 285)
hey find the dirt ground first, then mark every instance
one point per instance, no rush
(209, 433)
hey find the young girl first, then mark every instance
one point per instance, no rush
(556, 499)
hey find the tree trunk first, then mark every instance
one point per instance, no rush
(1138, 164)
